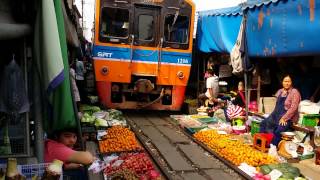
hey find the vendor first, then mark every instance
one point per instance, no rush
(285, 112)
(60, 147)
(212, 84)
(240, 97)
(75, 90)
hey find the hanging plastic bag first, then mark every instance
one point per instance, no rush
(13, 95)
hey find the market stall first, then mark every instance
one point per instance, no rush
(262, 27)
(248, 151)
(121, 155)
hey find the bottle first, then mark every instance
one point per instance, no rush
(317, 151)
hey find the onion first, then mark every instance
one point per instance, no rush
(55, 167)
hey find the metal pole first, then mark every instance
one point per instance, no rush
(82, 3)
(26, 80)
(37, 114)
(246, 58)
(246, 92)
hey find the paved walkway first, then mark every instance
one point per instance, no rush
(182, 157)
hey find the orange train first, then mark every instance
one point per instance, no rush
(142, 52)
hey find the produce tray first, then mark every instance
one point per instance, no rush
(101, 128)
(192, 130)
(88, 129)
(208, 120)
(307, 156)
(101, 154)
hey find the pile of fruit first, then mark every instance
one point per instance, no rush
(119, 139)
(288, 171)
(233, 150)
(138, 164)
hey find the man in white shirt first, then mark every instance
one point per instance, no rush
(212, 84)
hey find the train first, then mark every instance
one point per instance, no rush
(142, 52)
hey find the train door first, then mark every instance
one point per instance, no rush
(146, 39)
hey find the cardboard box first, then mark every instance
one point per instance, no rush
(267, 104)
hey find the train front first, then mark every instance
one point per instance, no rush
(143, 52)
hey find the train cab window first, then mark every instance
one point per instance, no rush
(176, 31)
(145, 27)
(114, 25)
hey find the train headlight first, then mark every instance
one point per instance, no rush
(180, 75)
(104, 70)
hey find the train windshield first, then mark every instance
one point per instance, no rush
(146, 27)
(176, 29)
(114, 24)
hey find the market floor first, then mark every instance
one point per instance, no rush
(179, 156)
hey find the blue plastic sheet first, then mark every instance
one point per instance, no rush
(274, 28)
(217, 30)
(285, 28)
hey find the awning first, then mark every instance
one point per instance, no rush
(283, 28)
(217, 30)
(274, 28)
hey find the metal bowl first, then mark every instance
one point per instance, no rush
(288, 134)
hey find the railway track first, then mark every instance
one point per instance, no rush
(176, 153)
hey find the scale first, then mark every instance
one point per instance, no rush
(287, 148)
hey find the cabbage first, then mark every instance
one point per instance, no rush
(101, 123)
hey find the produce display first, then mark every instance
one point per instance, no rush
(89, 109)
(54, 170)
(132, 165)
(93, 115)
(119, 139)
(288, 172)
(124, 174)
(12, 171)
(233, 150)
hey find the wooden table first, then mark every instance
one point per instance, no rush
(308, 130)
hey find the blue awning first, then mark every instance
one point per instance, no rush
(274, 28)
(257, 3)
(217, 30)
(284, 28)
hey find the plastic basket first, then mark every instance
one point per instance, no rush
(255, 127)
(311, 120)
(31, 170)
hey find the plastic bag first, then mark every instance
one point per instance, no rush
(108, 159)
(273, 151)
(97, 166)
(13, 95)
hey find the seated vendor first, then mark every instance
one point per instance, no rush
(61, 147)
(285, 112)
(240, 97)
(212, 85)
